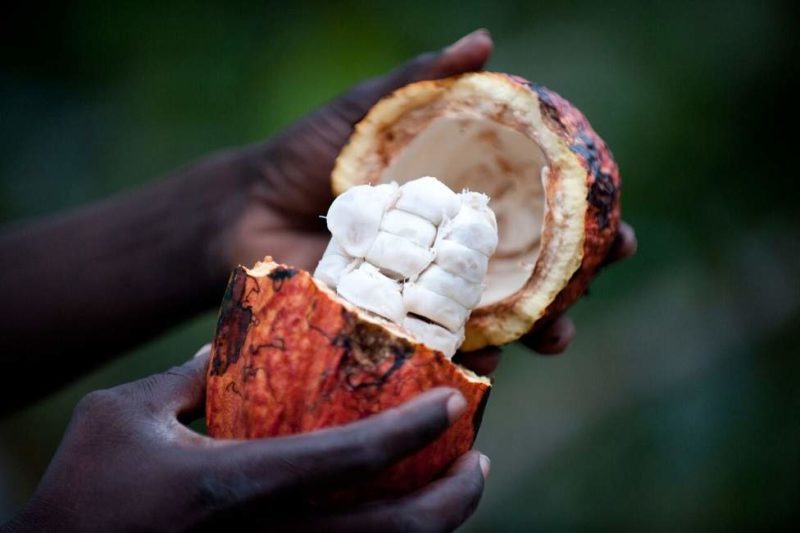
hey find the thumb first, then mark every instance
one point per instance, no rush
(469, 53)
(179, 391)
(298, 161)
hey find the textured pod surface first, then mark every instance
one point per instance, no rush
(602, 181)
(290, 356)
(602, 211)
(554, 185)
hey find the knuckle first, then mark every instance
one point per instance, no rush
(181, 372)
(370, 451)
(184, 375)
(391, 436)
(148, 385)
(421, 424)
(364, 448)
(217, 490)
(418, 64)
(146, 391)
(398, 430)
(98, 402)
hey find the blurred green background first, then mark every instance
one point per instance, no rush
(677, 404)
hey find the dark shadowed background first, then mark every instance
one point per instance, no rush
(678, 402)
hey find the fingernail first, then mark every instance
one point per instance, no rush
(204, 349)
(465, 40)
(456, 405)
(486, 465)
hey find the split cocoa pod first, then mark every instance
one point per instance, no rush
(522, 218)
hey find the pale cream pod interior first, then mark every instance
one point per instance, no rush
(485, 156)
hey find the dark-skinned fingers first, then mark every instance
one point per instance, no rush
(482, 362)
(555, 337)
(441, 506)
(469, 53)
(624, 245)
(189, 400)
(330, 126)
(552, 339)
(331, 457)
(179, 391)
(298, 162)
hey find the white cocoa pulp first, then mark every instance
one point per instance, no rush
(415, 254)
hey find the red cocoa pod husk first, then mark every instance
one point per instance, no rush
(290, 356)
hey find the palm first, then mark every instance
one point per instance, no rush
(294, 191)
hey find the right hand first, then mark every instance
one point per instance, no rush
(555, 337)
(128, 462)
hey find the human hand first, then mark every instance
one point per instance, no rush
(127, 461)
(282, 186)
